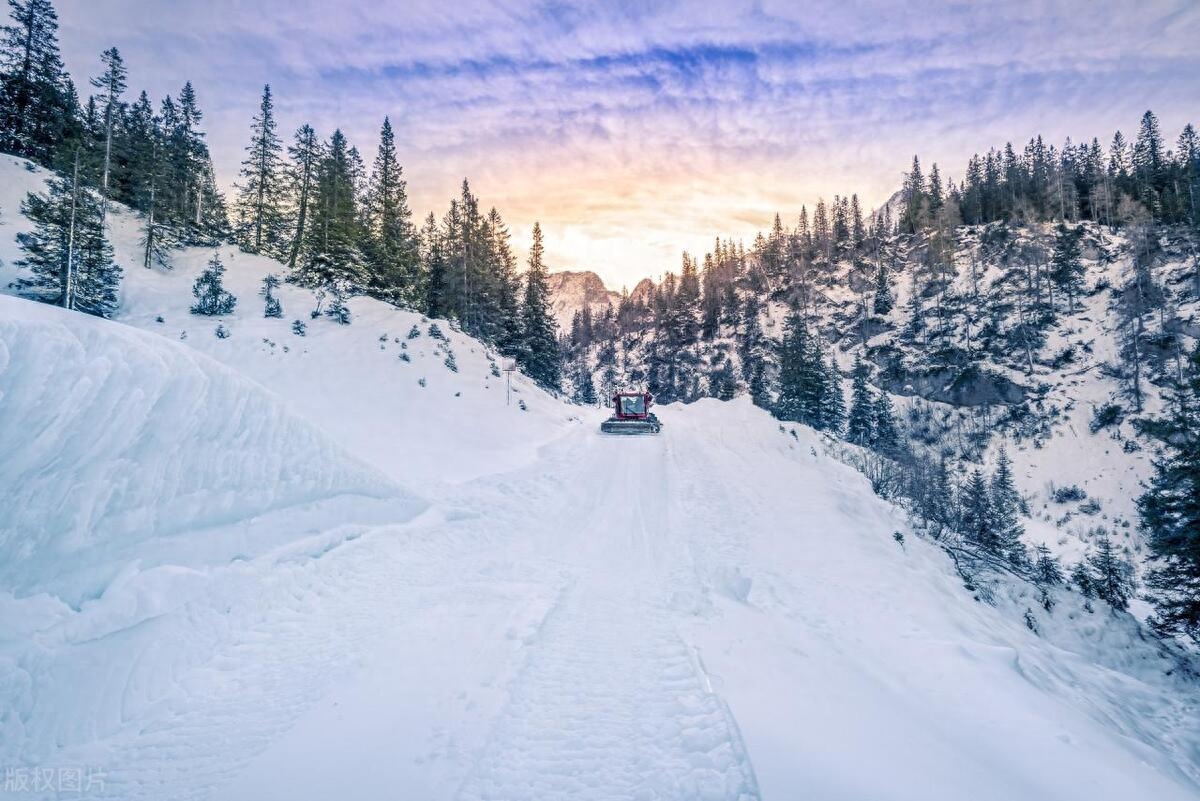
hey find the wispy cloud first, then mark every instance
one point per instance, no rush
(635, 129)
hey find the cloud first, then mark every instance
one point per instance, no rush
(636, 129)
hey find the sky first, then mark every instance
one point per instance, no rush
(634, 129)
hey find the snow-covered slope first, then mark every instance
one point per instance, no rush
(530, 611)
(117, 442)
(381, 386)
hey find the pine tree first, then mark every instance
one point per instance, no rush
(333, 234)
(508, 286)
(305, 154)
(978, 521)
(392, 253)
(1148, 159)
(1112, 576)
(587, 388)
(111, 85)
(1170, 514)
(158, 237)
(794, 401)
(71, 261)
(1006, 509)
(833, 407)
(887, 437)
(1066, 263)
(1046, 569)
(539, 356)
(860, 427)
(209, 291)
(884, 301)
(271, 307)
(434, 261)
(35, 106)
(261, 221)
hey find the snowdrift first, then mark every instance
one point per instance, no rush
(120, 447)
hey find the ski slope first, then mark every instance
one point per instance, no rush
(230, 571)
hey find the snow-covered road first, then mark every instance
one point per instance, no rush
(685, 617)
(718, 612)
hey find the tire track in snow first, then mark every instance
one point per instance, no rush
(611, 702)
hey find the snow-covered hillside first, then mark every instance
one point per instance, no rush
(304, 567)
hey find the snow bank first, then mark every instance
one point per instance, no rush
(120, 447)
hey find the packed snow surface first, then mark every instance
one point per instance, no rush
(234, 571)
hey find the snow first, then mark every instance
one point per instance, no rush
(230, 571)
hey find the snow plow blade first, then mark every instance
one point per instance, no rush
(614, 426)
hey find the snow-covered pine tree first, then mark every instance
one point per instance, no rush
(391, 243)
(209, 290)
(539, 356)
(860, 427)
(271, 305)
(1170, 514)
(67, 252)
(262, 225)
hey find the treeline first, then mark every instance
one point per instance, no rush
(1072, 183)
(341, 227)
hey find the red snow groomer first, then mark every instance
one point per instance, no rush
(631, 415)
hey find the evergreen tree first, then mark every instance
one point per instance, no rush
(884, 300)
(887, 437)
(305, 153)
(392, 252)
(67, 252)
(1170, 514)
(35, 106)
(833, 407)
(507, 332)
(722, 384)
(1046, 570)
(586, 387)
(261, 221)
(158, 237)
(434, 259)
(111, 85)
(978, 521)
(1112, 576)
(209, 290)
(860, 428)
(272, 307)
(1148, 159)
(795, 396)
(1006, 510)
(539, 356)
(333, 234)
(1066, 263)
